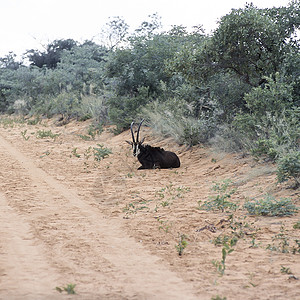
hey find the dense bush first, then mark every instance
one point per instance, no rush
(272, 119)
(124, 109)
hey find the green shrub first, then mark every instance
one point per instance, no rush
(41, 134)
(93, 129)
(288, 167)
(218, 298)
(69, 289)
(271, 135)
(23, 133)
(124, 109)
(101, 152)
(272, 122)
(274, 96)
(269, 206)
(66, 104)
(297, 225)
(221, 200)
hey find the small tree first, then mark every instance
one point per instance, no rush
(52, 55)
(114, 32)
(253, 42)
(9, 62)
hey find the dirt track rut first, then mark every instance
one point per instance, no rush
(52, 236)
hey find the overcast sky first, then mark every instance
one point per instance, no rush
(28, 24)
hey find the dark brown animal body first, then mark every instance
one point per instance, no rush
(152, 157)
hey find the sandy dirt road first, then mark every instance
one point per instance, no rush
(50, 235)
(112, 230)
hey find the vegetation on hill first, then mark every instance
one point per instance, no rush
(237, 88)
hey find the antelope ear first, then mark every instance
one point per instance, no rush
(142, 140)
(130, 143)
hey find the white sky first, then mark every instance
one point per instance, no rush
(27, 24)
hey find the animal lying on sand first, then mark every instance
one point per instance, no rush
(152, 157)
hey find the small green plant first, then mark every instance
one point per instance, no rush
(280, 242)
(297, 225)
(270, 206)
(11, 122)
(130, 209)
(164, 225)
(7, 122)
(87, 153)
(69, 289)
(23, 133)
(220, 201)
(170, 193)
(241, 228)
(165, 203)
(228, 245)
(221, 240)
(220, 265)
(101, 152)
(34, 121)
(41, 134)
(135, 206)
(296, 248)
(93, 129)
(74, 152)
(85, 137)
(182, 244)
(254, 244)
(251, 280)
(285, 270)
(218, 298)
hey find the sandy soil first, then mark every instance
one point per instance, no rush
(112, 230)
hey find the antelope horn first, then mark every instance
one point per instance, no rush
(132, 132)
(138, 132)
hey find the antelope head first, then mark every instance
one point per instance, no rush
(136, 144)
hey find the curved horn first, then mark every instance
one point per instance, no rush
(138, 132)
(132, 132)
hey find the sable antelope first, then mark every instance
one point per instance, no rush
(152, 157)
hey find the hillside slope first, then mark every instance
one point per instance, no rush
(112, 230)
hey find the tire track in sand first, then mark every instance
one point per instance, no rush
(77, 241)
(22, 258)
